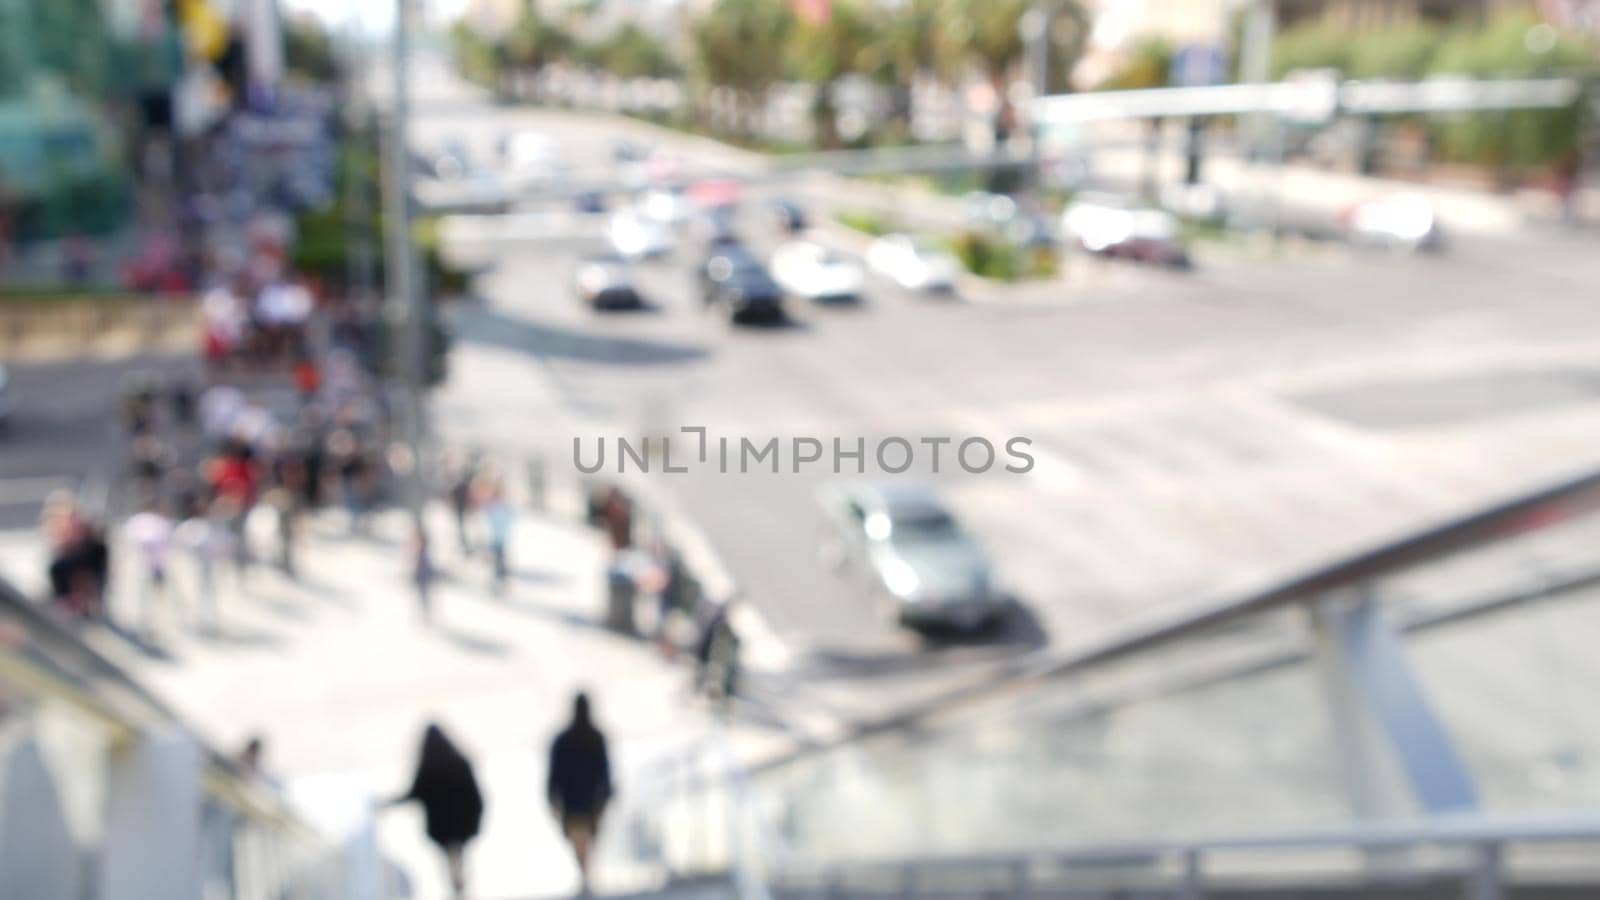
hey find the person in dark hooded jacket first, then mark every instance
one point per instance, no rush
(579, 785)
(445, 786)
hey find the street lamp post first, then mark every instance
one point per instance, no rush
(407, 300)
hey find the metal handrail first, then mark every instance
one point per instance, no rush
(1435, 831)
(1525, 514)
(1485, 835)
(66, 668)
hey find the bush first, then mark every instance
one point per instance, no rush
(1403, 53)
(1149, 65)
(1315, 45)
(864, 222)
(1519, 139)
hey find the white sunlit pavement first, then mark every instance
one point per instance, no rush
(338, 674)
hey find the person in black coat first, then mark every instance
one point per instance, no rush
(448, 792)
(579, 785)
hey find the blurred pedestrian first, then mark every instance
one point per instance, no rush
(579, 783)
(451, 802)
(206, 536)
(717, 654)
(617, 515)
(149, 533)
(423, 572)
(499, 516)
(462, 475)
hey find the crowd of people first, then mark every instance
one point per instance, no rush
(286, 417)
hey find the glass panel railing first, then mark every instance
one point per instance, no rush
(69, 725)
(1318, 706)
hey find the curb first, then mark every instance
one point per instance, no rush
(762, 646)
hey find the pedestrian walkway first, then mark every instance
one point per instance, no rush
(339, 675)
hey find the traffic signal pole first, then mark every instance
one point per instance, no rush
(408, 305)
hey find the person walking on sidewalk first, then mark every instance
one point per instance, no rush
(451, 802)
(462, 473)
(205, 534)
(579, 783)
(500, 517)
(149, 532)
(422, 572)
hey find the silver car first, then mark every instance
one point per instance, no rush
(913, 554)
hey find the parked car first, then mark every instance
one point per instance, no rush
(734, 279)
(603, 281)
(787, 216)
(1110, 226)
(1402, 221)
(914, 264)
(813, 272)
(911, 553)
(635, 237)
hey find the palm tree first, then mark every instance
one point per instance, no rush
(739, 44)
(907, 43)
(533, 42)
(824, 51)
(990, 32)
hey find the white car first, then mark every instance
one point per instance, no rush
(635, 237)
(670, 206)
(814, 272)
(1400, 221)
(1113, 227)
(531, 158)
(913, 264)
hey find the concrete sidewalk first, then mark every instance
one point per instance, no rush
(338, 673)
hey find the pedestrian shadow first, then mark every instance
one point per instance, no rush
(559, 616)
(552, 342)
(244, 638)
(476, 644)
(1016, 629)
(540, 577)
(139, 643)
(283, 609)
(322, 590)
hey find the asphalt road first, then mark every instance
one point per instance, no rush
(67, 430)
(1192, 433)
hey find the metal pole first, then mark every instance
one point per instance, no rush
(409, 304)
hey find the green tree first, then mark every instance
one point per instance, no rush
(1403, 53)
(1314, 45)
(308, 51)
(988, 33)
(476, 58)
(632, 52)
(1514, 46)
(1149, 65)
(822, 53)
(534, 42)
(906, 43)
(739, 45)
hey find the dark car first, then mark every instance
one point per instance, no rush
(716, 228)
(589, 202)
(787, 216)
(603, 281)
(734, 279)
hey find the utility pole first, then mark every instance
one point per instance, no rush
(408, 305)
